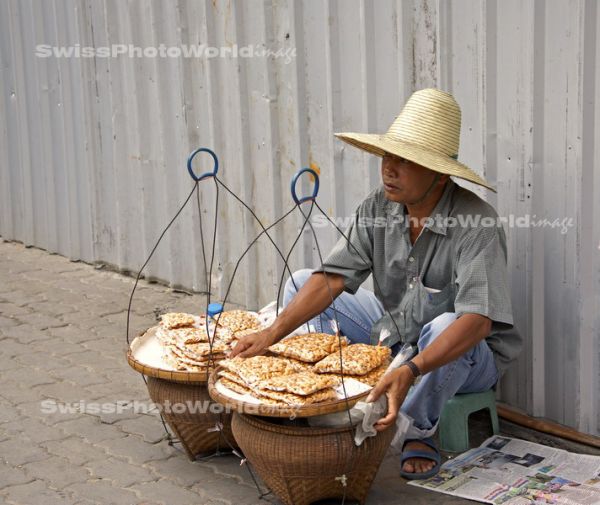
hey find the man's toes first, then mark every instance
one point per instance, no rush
(408, 467)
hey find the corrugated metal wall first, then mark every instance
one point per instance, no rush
(93, 150)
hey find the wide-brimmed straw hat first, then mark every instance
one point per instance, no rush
(426, 132)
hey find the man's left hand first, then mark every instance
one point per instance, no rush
(395, 385)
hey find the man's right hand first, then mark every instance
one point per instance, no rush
(254, 344)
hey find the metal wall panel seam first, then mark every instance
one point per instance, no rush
(80, 234)
(588, 352)
(247, 171)
(7, 111)
(21, 189)
(44, 208)
(537, 329)
(66, 96)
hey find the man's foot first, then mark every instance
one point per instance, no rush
(420, 459)
(418, 465)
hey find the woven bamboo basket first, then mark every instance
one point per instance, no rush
(302, 465)
(194, 429)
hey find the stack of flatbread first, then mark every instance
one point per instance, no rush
(187, 345)
(240, 322)
(308, 348)
(304, 370)
(321, 353)
(274, 380)
(363, 362)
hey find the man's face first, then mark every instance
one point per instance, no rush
(404, 181)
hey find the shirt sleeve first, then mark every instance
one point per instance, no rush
(481, 275)
(351, 257)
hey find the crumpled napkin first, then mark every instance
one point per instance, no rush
(373, 411)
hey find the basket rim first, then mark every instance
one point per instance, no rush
(169, 375)
(296, 431)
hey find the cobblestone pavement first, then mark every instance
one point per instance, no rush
(62, 340)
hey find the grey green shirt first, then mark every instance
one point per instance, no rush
(458, 264)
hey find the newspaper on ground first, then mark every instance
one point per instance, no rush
(515, 472)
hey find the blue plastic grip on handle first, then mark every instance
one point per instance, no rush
(214, 309)
(315, 188)
(205, 174)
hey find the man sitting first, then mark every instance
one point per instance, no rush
(438, 259)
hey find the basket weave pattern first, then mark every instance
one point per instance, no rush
(302, 465)
(192, 428)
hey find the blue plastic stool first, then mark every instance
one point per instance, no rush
(454, 421)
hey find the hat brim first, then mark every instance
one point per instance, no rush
(379, 145)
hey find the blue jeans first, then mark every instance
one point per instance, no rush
(473, 372)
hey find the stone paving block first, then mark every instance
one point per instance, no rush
(9, 321)
(27, 377)
(40, 321)
(127, 392)
(11, 348)
(228, 491)
(135, 321)
(42, 361)
(16, 395)
(182, 471)
(92, 359)
(8, 309)
(102, 491)
(122, 409)
(58, 348)
(108, 332)
(25, 296)
(91, 429)
(78, 374)
(8, 412)
(53, 308)
(36, 493)
(22, 267)
(64, 392)
(133, 449)
(76, 450)
(115, 347)
(17, 451)
(167, 493)
(127, 375)
(70, 333)
(50, 411)
(149, 428)
(10, 476)
(119, 472)
(34, 430)
(228, 466)
(83, 321)
(25, 334)
(48, 276)
(77, 270)
(115, 282)
(76, 285)
(75, 298)
(59, 471)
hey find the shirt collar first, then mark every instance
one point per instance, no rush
(439, 214)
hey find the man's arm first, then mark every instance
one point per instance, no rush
(312, 299)
(463, 334)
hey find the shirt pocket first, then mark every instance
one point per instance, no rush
(428, 305)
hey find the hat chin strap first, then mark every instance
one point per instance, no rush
(436, 179)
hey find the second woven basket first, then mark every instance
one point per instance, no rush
(302, 464)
